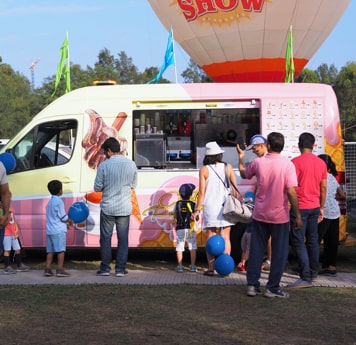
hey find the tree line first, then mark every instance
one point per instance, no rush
(19, 102)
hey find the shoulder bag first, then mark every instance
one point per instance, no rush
(234, 210)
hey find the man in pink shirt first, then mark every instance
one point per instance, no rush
(311, 192)
(276, 182)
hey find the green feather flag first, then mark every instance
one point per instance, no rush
(289, 59)
(64, 58)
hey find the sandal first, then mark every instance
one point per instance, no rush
(208, 273)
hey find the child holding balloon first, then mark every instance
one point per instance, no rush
(56, 229)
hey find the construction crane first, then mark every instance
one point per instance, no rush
(32, 68)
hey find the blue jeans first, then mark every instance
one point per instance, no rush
(2, 232)
(259, 238)
(106, 230)
(305, 242)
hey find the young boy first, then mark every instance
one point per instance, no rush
(182, 231)
(56, 229)
(11, 241)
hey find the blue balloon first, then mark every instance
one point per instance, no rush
(224, 264)
(8, 160)
(78, 212)
(215, 245)
(250, 195)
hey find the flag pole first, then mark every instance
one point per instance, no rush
(292, 56)
(174, 56)
(67, 79)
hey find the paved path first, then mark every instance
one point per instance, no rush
(161, 277)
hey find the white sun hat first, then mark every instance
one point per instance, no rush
(212, 148)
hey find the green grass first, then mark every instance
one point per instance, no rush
(185, 314)
(115, 314)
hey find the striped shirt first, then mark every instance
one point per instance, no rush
(116, 177)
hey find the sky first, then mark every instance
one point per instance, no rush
(31, 30)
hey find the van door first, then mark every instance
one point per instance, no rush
(46, 152)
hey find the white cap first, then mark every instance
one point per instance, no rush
(212, 148)
(255, 140)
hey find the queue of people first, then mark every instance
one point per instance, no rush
(290, 204)
(294, 204)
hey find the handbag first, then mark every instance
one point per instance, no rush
(234, 210)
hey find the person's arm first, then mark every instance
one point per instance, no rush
(293, 200)
(232, 178)
(322, 199)
(203, 175)
(340, 194)
(241, 154)
(5, 196)
(99, 181)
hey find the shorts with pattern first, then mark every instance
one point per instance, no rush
(185, 235)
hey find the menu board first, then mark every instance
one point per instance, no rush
(292, 118)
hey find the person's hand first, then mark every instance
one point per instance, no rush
(240, 152)
(321, 215)
(298, 223)
(195, 215)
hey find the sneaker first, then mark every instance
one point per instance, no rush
(279, 293)
(253, 291)
(241, 267)
(9, 270)
(121, 273)
(192, 268)
(3, 273)
(62, 273)
(315, 280)
(23, 268)
(103, 273)
(329, 273)
(179, 269)
(48, 272)
(300, 283)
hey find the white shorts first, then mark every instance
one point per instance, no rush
(184, 235)
(11, 242)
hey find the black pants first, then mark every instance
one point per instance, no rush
(328, 230)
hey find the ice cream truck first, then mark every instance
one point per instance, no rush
(163, 128)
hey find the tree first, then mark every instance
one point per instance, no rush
(15, 101)
(194, 74)
(127, 71)
(345, 89)
(104, 68)
(149, 73)
(307, 76)
(327, 75)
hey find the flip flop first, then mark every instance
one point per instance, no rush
(209, 273)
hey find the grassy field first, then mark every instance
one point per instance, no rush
(116, 314)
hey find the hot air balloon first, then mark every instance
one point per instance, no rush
(246, 40)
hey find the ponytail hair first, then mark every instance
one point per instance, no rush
(329, 164)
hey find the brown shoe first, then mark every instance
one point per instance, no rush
(62, 273)
(48, 272)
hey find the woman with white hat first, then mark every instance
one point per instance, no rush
(212, 194)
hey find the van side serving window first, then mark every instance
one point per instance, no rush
(175, 138)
